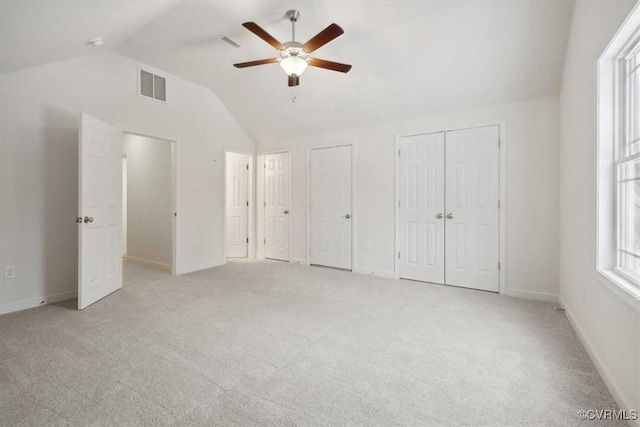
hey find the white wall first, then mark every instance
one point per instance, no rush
(39, 172)
(531, 204)
(149, 199)
(609, 327)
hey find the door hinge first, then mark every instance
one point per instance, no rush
(398, 255)
(398, 203)
(265, 203)
(498, 266)
(175, 214)
(265, 241)
(247, 240)
(265, 165)
(247, 203)
(247, 167)
(499, 143)
(398, 153)
(498, 204)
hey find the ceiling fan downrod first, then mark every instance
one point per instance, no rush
(293, 16)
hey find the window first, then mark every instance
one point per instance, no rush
(628, 165)
(153, 86)
(618, 257)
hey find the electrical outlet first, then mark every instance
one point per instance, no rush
(10, 272)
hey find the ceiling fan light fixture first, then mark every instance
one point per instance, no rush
(293, 65)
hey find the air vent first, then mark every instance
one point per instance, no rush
(230, 42)
(153, 86)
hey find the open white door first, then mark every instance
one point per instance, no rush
(473, 215)
(100, 217)
(331, 207)
(421, 212)
(237, 214)
(276, 206)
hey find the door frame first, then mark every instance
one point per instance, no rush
(260, 207)
(502, 238)
(251, 246)
(174, 196)
(351, 144)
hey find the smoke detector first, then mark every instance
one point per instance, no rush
(96, 42)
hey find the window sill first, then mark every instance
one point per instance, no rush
(625, 289)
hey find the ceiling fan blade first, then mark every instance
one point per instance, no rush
(323, 37)
(258, 31)
(329, 65)
(254, 63)
(294, 80)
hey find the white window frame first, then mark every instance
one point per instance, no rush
(611, 106)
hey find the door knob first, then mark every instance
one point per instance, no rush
(347, 216)
(79, 219)
(286, 212)
(449, 215)
(88, 219)
(439, 216)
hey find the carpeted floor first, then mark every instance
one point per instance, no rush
(269, 343)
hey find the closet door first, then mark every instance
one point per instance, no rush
(421, 233)
(472, 210)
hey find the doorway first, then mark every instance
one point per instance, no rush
(330, 204)
(148, 204)
(448, 208)
(237, 206)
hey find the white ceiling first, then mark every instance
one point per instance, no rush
(37, 32)
(410, 58)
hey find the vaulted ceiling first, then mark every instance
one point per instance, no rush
(410, 58)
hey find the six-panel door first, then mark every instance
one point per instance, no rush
(276, 210)
(100, 201)
(472, 194)
(237, 205)
(331, 207)
(448, 218)
(421, 211)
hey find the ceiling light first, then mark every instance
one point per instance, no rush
(96, 42)
(293, 65)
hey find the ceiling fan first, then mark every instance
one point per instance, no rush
(294, 56)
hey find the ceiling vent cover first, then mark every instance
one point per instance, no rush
(230, 42)
(153, 86)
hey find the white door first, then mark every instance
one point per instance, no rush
(276, 207)
(331, 207)
(472, 210)
(100, 202)
(237, 205)
(421, 211)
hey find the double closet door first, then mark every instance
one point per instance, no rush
(448, 224)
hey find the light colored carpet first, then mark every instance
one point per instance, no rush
(269, 343)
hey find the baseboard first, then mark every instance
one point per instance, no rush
(299, 261)
(538, 296)
(372, 272)
(622, 400)
(149, 263)
(194, 268)
(37, 302)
